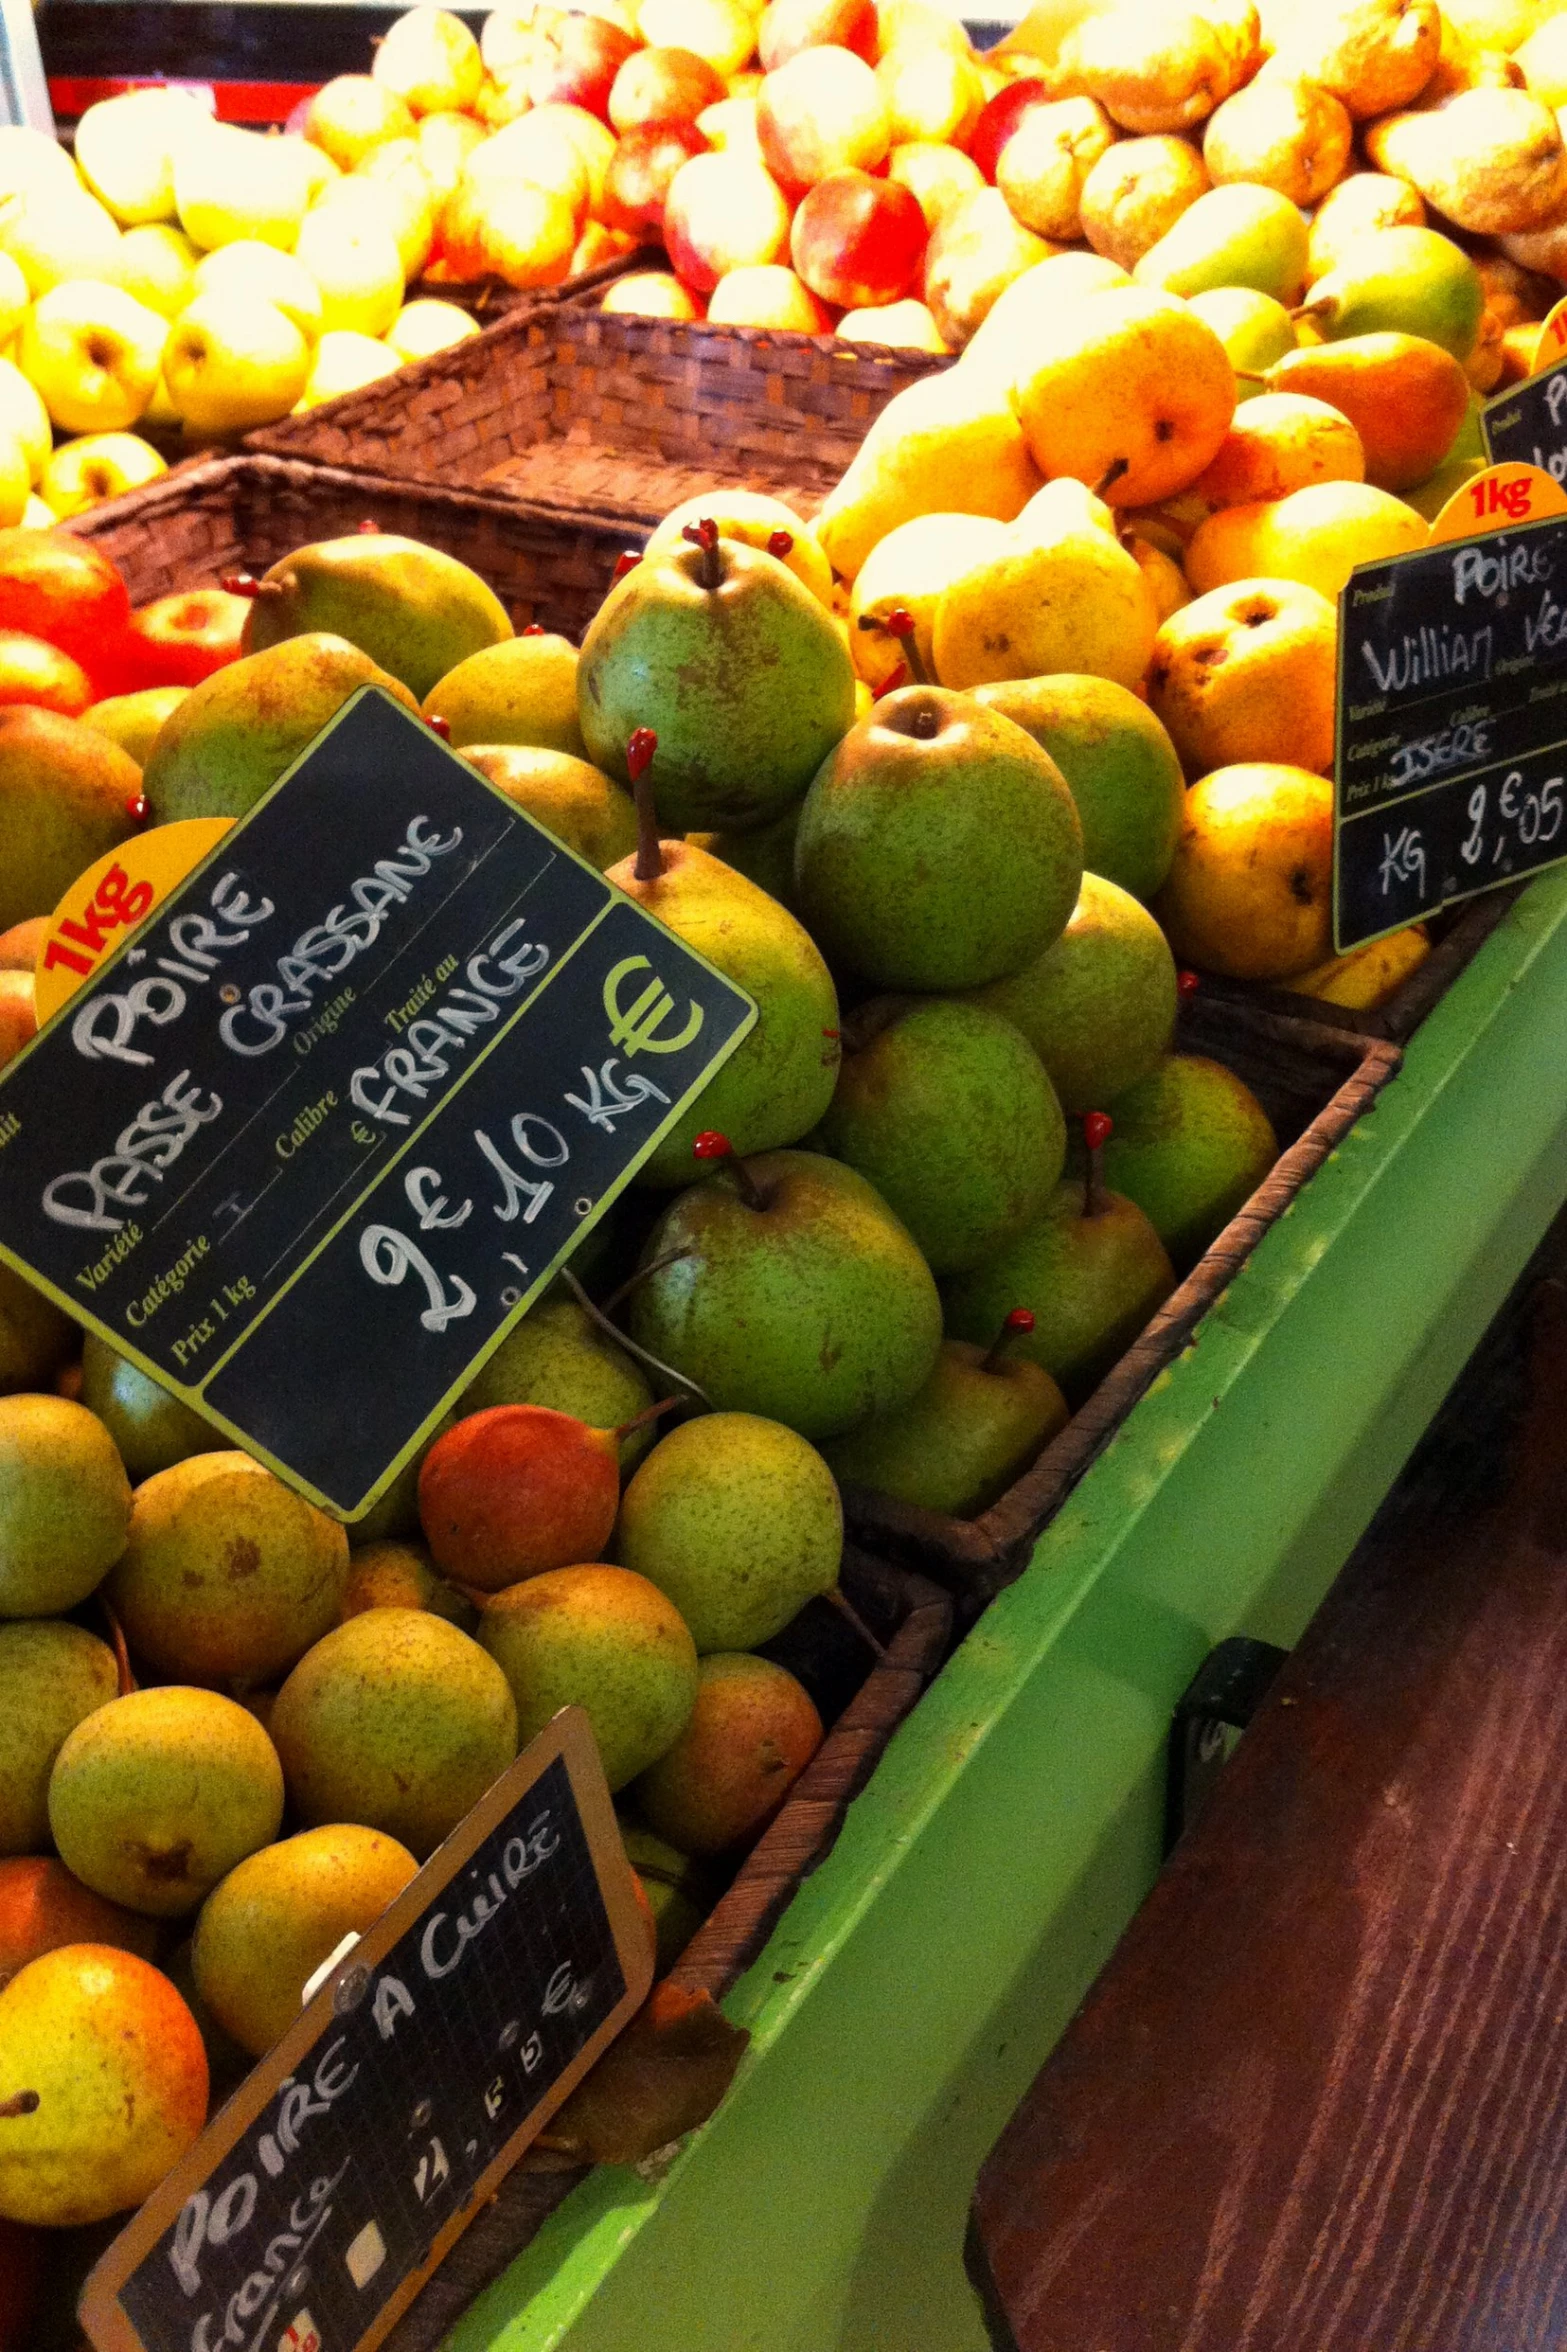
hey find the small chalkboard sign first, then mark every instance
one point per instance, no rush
(317, 2202)
(1527, 424)
(330, 1118)
(1450, 774)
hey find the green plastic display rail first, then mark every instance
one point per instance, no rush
(920, 1978)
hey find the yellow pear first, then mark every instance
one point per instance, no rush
(231, 362)
(1130, 391)
(230, 184)
(911, 568)
(1137, 191)
(1162, 67)
(1316, 535)
(754, 519)
(1072, 601)
(1542, 60)
(1371, 54)
(1359, 204)
(262, 274)
(157, 263)
(355, 262)
(948, 444)
(1028, 308)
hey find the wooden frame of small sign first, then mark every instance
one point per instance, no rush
(568, 1741)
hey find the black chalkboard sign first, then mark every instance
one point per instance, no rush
(317, 2202)
(312, 1140)
(1450, 774)
(1527, 424)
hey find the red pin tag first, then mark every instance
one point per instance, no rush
(640, 747)
(1186, 986)
(781, 544)
(533, 629)
(240, 584)
(711, 1145)
(624, 563)
(441, 727)
(1098, 1127)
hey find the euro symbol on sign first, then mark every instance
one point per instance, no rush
(635, 1028)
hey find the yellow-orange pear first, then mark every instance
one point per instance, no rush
(1136, 191)
(1406, 399)
(1317, 536)
(1362, 202)
(1133, 394)
(1248, 672)
(1280, 133)
(949, 444)
(1162, 67)
(1250, 894)
(1493, 161)
(1278, 443)
(1068, 599)
(1372, 54)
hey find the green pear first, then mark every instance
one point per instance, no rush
(938, 846)
(974, 1428)
(945, 1109)
(803, 1299)
(227, 1573)
(35, 1338)
(150, 1427)
(265, 1929)
(574, 800)
(738, 1521)
(52, 1676)
(65, 1505)
(1091, 1281)
(1099, 1007)
(402, 1575)
(559, 1357)
(234, 734)
(1402, 281)
(746, 682)
(1430, 496)
(605, 1640)
(395, 1720)
(1254, 329)
(1190, 1145)
(156, 1796)
(765, 857)
(679, 1892)
(416, 611)
(522, 690)
(779, 1080)
(1119, 764)
(134, 721)
(1238, 235)
(66, 795)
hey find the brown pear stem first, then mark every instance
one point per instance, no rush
(642, 1355)
(22, 2103)
(1250, 376)
(618, 1296)
(1111, 475)
(1013, 1327)
(647, 1414)
(704, 534)
(847, 1610)
(900, 624)
(122, 1656)
(639, 764)
(746, 1185)
(1310, 310)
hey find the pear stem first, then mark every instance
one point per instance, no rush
(847, 1610)
(639, 760)
(1098, 1126)
(705, 535)
(1018, 1322)
(619, 1296)
(122, 1656)
(643, 1355)
(1250, 376)
(22, 2103)
(710, 1145)
(1111, 475)
(647, 1414)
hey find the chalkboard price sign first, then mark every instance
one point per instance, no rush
(1528, 423)
(1450, 774)
(310, 1142)
(318, 2201)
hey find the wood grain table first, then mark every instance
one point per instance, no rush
(1318, 2100)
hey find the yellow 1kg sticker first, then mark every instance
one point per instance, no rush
(1496, 499)
(113, 896)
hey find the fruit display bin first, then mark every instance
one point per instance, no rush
(1314, 1080)
(566, 405)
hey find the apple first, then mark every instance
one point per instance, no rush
(723, 212)
(125, 151)
(511, 37)
(345, 362)
(510, 230)
(652, 294)
(645, 160)
(262, 273)
(156, 263)
(1000, 117)
(431, 60)
(597, 246)
(93, 351)
(821, 112)
(931, 93)
(33, 159)
(179, 640)
(663, 86)
(906, 326)
(731, 124)
(722, 31)
(95, 466)
(578, 64)
(18, 1013)
(788, 26)
(500, 103)
(58, 235)
(351, 115)
(230, 183)
(353, 258)
(767, 295)
(858, 241)
(900, 21)
(390, 197)
(232, 361)
(421, 328)
(445, 142)
(24, 419)
(537, 149)
(936, 176)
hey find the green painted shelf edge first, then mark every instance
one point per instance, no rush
(920, 1978)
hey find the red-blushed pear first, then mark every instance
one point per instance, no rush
(663, 86)
(724, 211)
(42, 1907)
(517, 1489)
(789, 26)
(646, 159)
(750, 1735)
(858, 240)
(821, 112)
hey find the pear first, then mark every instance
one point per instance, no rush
(393, 1575)
(1280, 133)
(938, 846)
(52, 1676)
(801, 1298)
(737, 1520)
(516, 1489)
(756, 521)
(103, 2085)
(1401, 281)
(765, 857)
(1234, 236)
(521, 690)
(1099, 1006)
(65, 1505)
(1119, 764)
(751, 1734)
(908, 572)
(1406, 397)
(395, 1720)
(154, 1797)
(66, 796)
(414, 610)
(1067, 598)
(974, 1428)
(976, 249)
(603, 1639)
(1031, 303)
(945, 1109)
(135, 721)
(265, 1929)
(1254, 329)
(227, 1574)
(1162, 69)
(1091, 1273)
(150, 1427)
(559, 1357)
(1190, 1145)
(1137, 191)
(738, 670)
(949, 444)
(1358, 206)
(676, 1888)
(42, 1907)
(234, 734)
(776, 1085)
(574, 800)
(1371, 54)
(35, 1338)
(1492, 161)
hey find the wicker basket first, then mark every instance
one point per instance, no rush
(572, 407)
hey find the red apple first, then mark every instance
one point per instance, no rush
(821, 112)
(578, 64)
(663, 85)
(769, 296)
(789, 26)
(999, 118)
(179, 640)
(724, 212)
(645, 160)
(858, 241)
